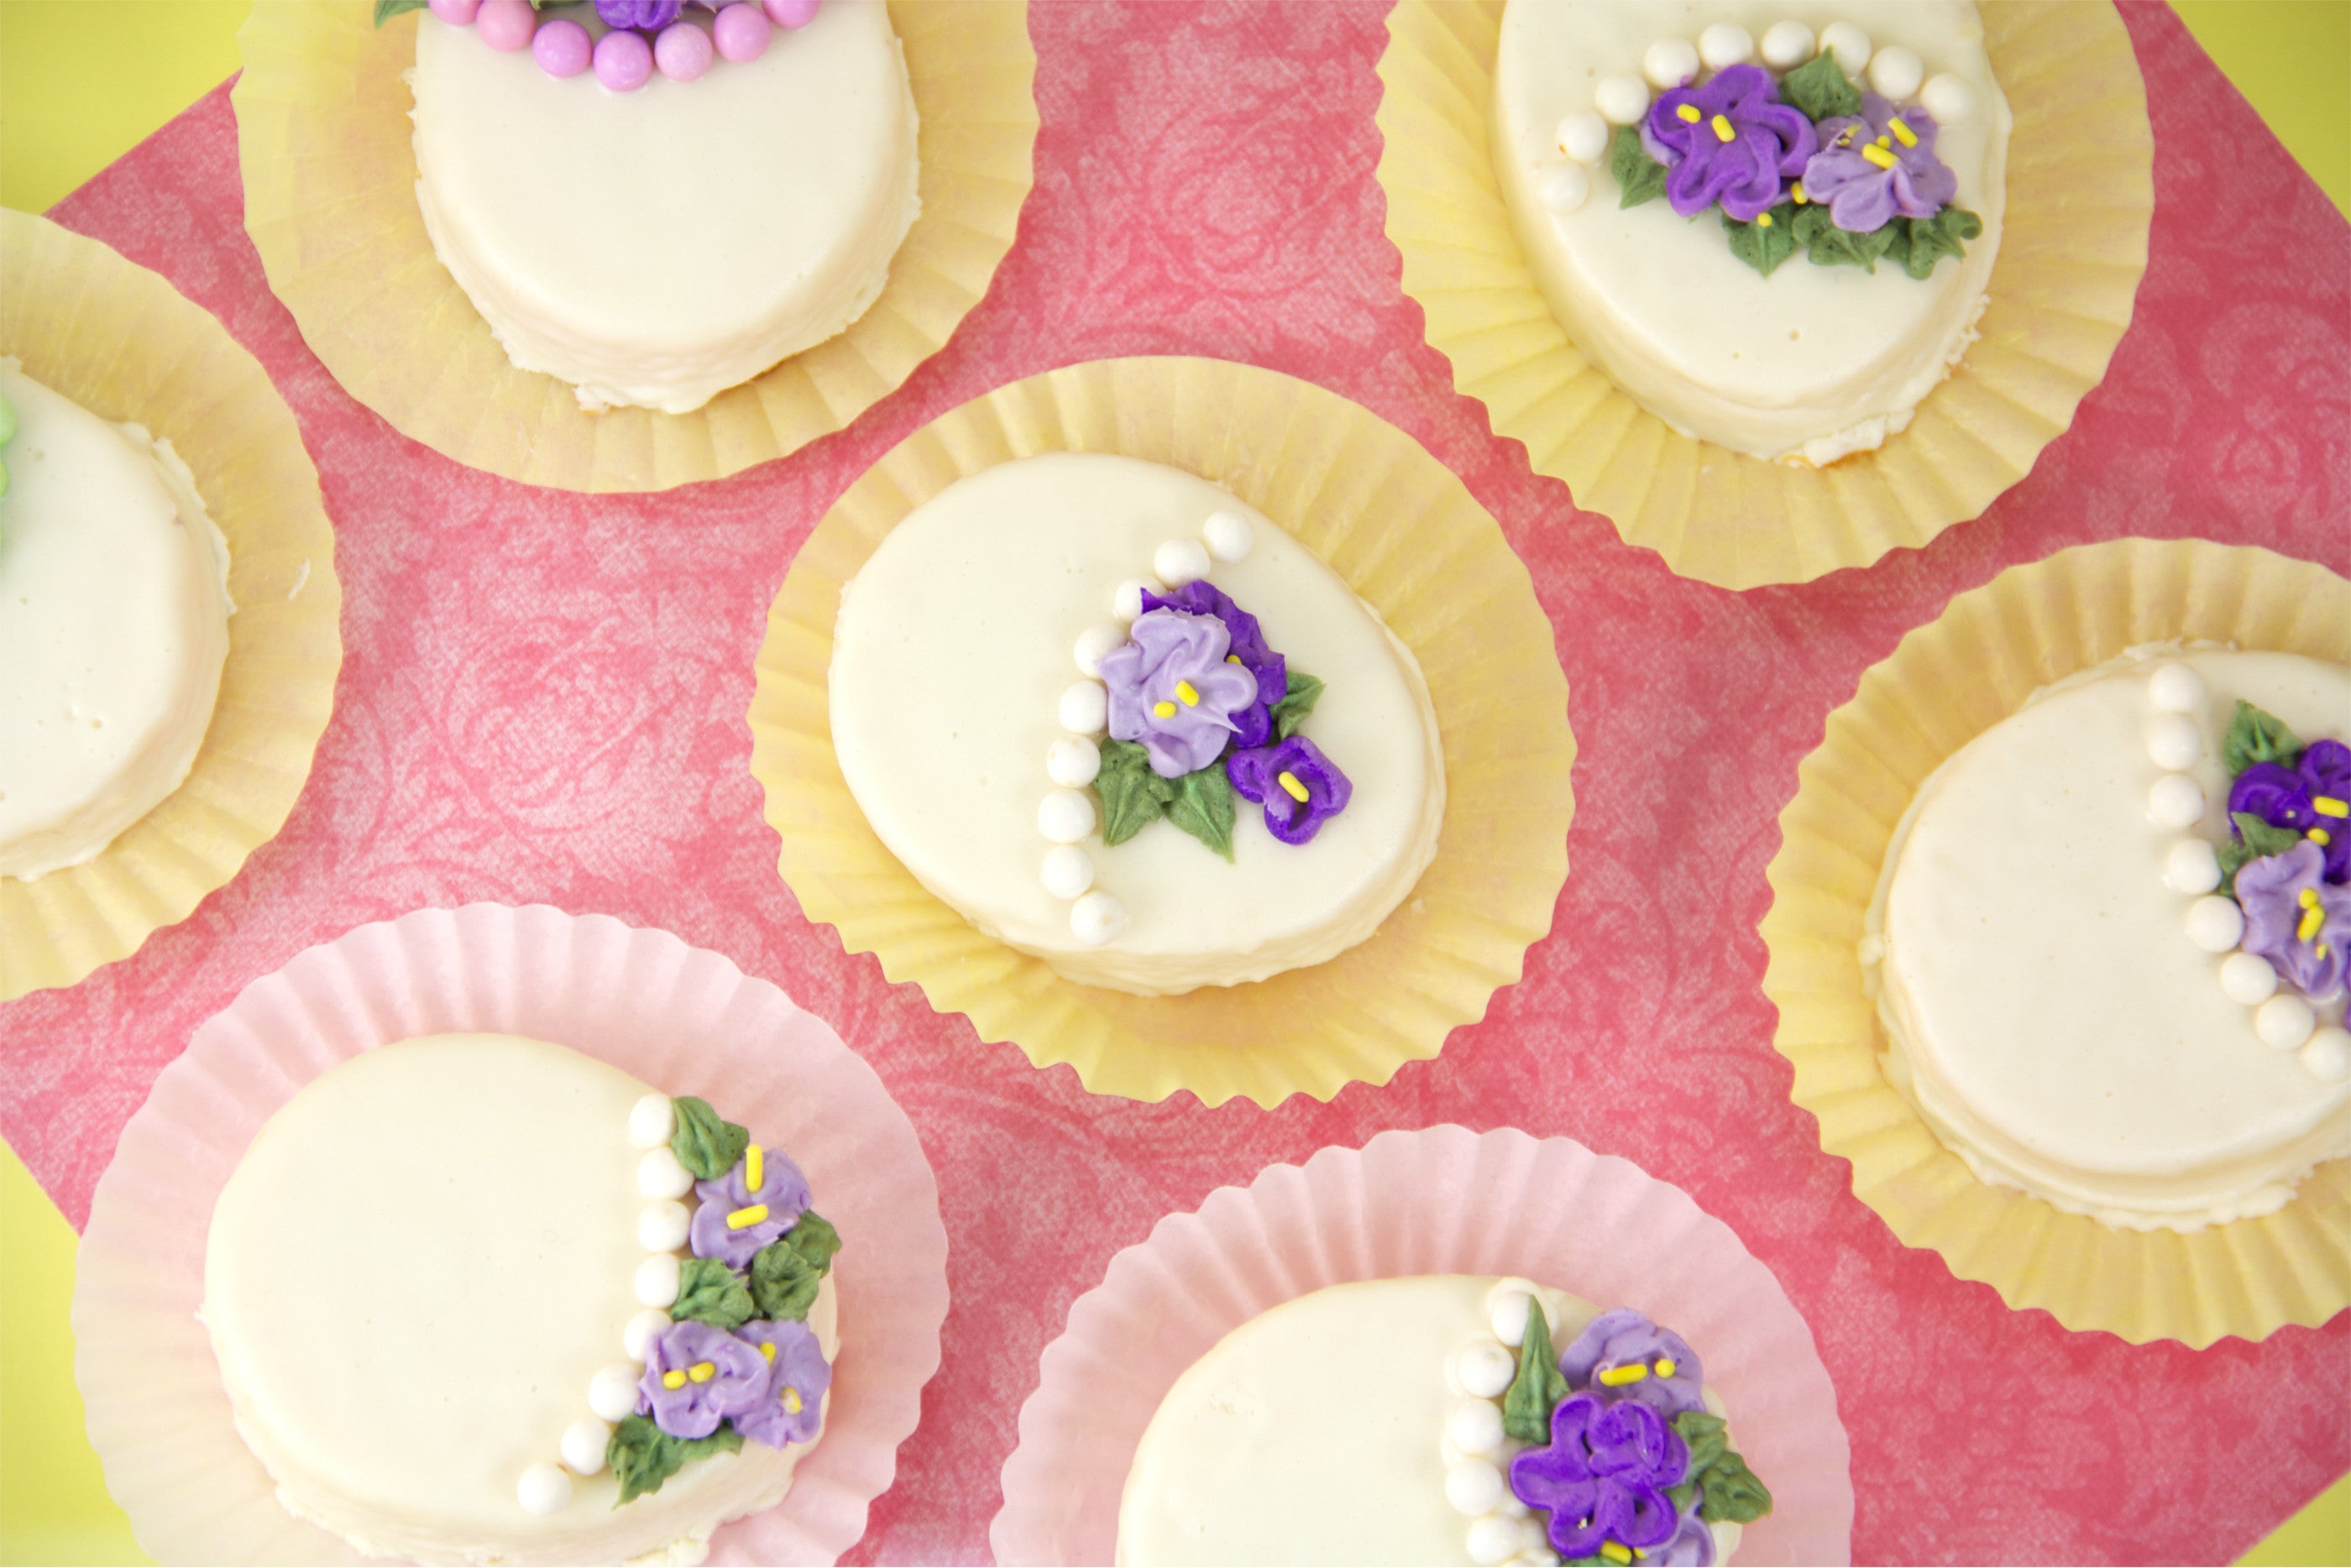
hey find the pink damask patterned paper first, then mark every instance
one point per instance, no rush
(543, 701)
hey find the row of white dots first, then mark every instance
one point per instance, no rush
(1476, 1450)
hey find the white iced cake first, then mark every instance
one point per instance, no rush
(114, 613)
(1122, 722)
(2108, 941)
(482, 1299)
(656, 245)
(1769, 221)
(1447, 1418)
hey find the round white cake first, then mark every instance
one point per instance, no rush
(114, 613)
(1810, 362)
(970, 726)
(428, 1283)
(2059, 979)
(658, 247)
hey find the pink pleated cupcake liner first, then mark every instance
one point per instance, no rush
(1441, 1201)
(685, 1020)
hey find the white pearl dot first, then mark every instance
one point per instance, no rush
(1621, 100)
(1787, 45)
(1534, 1540)
(1493, 1540)
(1849, 43)
(1085, 708)
(1513, 1509)
(1509, 1316)
(1583, 137)
(1097, 919)
(584, 1444)
(1669, 63)
(2284, 1020)
(663, 1226)
(1180, 561)
(1476, 1427)
(1068, 872)
(2192, 866)
(2215, 923)
(1065, 815)
(1229, 536)
(1896, 71)
(1073, 763)
(2175, 741)
(1950, 100)
(2176, 801)
(2327, 1056)
(612, 1392)
(651, 1122)
(1485, 1369)
(1473, 1486)
(2247, 979)
(1564, 188)
(637, 1336)
(543, 1490)
(1724, 45)
(1092, 643)
(657, 1279)
(659, 1175)
(1126, 599)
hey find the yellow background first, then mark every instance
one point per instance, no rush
(83, 81)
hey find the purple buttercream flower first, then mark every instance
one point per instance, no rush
(1252, 725)
(1731, 141)
(1625, 1338)
(791, 1406)
(2296, 919)
(2316, 792)
(1172, 688)
(1604, 1476)
(1869, 173)
(1300, 788)
(698, 1375)
(781, 1188)
(651, 15)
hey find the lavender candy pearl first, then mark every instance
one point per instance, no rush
(506, 25)
(456, 13)
(682, 51)
(625, 62)
(740, 31)
(791, 13)
(561, 47)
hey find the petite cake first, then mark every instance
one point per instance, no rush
(2108, 943)
(655, 202)
(1430, 1420)
(1122, 723)
(1772, 228)
(114, 611)
(482, 1299)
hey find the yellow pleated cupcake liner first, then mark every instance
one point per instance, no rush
(2080, 196)
(1949, 681)
(323, 140)
(125, 344)
(1409, 539)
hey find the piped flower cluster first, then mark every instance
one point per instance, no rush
(677, 37)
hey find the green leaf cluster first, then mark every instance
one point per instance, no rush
(1133, 796)
(709, 1292)
(787, 1270)
(1289, 714)
(705, 1143)
(1639, 178)
(1767, 242)
(1725, 1488)
(1825, 245)
(1914, 244)
(642, 1456)
(1820, 89)
(2256, 735)
(1540, 1385)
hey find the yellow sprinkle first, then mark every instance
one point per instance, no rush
(742, 1217)
(1879, 156)
(1615, 1551)
(1232, 658)
(1722, 131)
(1882, 141)
(2312, 917)
(754, 1167)
(1665, 1367)
(1617, 1376)
(1909, 137)
(1164, 709)
(672, 1379)
(1187, 693)
(2309, 899)
(792, 1401)
(1796, 190)
(1689, 111)
(1290, 787)
(769, 1350)
(2327, 805)
(1762, 220)
(702, 1371)
(2320, 836)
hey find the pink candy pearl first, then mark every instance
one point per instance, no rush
(456, 13)
(623, 60)
(505, 24)
(682, 51)
(791, 13)
(740, 31)
(561, 47)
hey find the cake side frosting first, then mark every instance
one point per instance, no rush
(114, 630)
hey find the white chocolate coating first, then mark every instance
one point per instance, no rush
(113, 629)
(952, 645)
(658, 247)
(2053, 1012)
(1811, 363)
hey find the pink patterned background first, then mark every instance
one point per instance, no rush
(543, 701)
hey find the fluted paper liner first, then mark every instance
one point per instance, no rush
(1406, 535)
(323, 140)
(122, 342)
(1441, 1201)
(2080, 196)
(685, 1020)
(1946, 683)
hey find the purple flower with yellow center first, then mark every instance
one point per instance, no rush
(1731, 141)
(698, 1375)
(763, 1196)
(1252, 725)
(1300, 787)
(1172, 688)
(651, 15)
(1621, 1354)
(1603, 1477)
(2313, 798)
(2297, 919)
(1878, 166)
(791, 1406)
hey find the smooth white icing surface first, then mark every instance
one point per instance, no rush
(2049, 1014)
(1812, 362)
(114, 613)
(411, 1281)
(658, 247)
(954, 645)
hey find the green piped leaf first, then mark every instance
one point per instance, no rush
(1703, 1431)
(1639, 178)
(783, 1282)
(1204, 809)
(1825, 245)
(2258, 736)
(1918, 243)
(1767, 242)
(1133, 797)
(1290, 712)
(385, 10)
(709, 1292)
(1819, 87)
(814, 1239)
(642, 1456)
(1540, 1385)
(704, 1142)
(1732, 1492)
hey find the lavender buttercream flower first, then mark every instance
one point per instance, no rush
(1693, 1543)
(791, 1406)
(1731, 141)
(2313, 793)
(2296, 919)
(651, 15)
(1172, 688)
(1252, 725)
(698, 1375)
(1300, 787)
(1604, 1476)
(781, 1190)
(1625, 1338)
(1870, 170)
